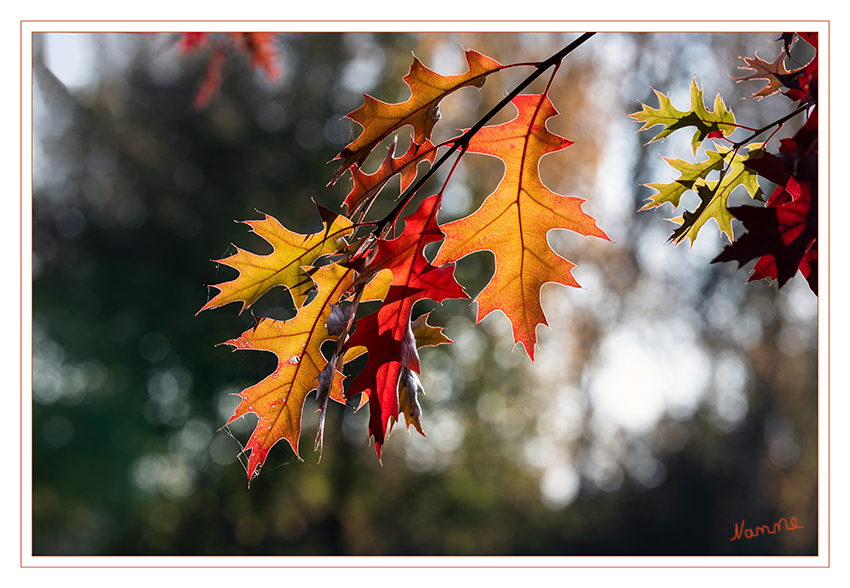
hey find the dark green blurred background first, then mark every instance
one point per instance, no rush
(669, 400)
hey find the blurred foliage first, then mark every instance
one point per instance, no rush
(136, 191)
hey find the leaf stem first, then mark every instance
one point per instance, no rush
(781, 121)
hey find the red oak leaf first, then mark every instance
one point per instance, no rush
(413, 277)
(386, 334)
(781, 235)
(379, 380)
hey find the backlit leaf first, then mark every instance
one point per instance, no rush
(367, 186)
(714, 196)
(386, 334)
(691, 174)
(278, 400)
(421, 110)
(260, 273)
(720, 122)
(514, 221)
(780, 234)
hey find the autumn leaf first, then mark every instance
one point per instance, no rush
(772, 168)
(690, 175)
(409, 385)
(714, 196)
(278, 400)
(765, 268)
(720, 122)
(781, 235)
(367, 186)
(421, 110)
(800, 84)
(513, 222)
(386, 334)
(413, 277)
(797, 81)
(260, 273)
(762, 70)
(389, 383)
(379, 380)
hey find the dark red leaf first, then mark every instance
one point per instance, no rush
(780, 234)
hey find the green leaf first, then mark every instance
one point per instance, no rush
(721, 122)
(691, 173)
(715, 195)
(260, 273)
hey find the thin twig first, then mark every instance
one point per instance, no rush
(782, 120)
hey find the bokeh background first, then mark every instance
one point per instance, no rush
(669, 401)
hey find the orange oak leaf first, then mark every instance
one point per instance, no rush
(368, 186)
(421, 110)
(279, 399)
(260, 273)
(513, 222)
